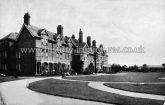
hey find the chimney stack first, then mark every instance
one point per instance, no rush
(89, 41)
(73, 36)
(27, 19)
(60, 29)
(94, 43)
(80, 36)
(101, 46)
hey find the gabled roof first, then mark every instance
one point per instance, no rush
(77, 44)
(74, 42)
(11, 36)
(81, 45)
(66, 38)
(35, 31)
(101, 51)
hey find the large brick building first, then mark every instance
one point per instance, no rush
(37, 51)
(6, 53)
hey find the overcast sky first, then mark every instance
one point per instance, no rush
(114, 23)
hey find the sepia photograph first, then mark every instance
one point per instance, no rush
(82, 52)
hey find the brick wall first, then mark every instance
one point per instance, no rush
(26, 60)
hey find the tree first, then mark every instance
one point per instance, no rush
(135, 68)
(116, 68)
(89, 69)
(95, 60)
(144, 67)
(80, 67)
(163, 64)
(124, 68)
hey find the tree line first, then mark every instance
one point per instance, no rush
(136, 68)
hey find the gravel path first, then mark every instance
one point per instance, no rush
(17, 93)
(102, 87)
(1, 100)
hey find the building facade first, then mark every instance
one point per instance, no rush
(6, 53)
(37, 51)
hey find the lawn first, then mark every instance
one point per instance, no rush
(158, 89)
(81, 90)
(9, 78)
(129, 77)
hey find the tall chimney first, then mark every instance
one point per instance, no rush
(27, 19)
(101, 46)
(73, 37)
(89, 41)
(60, 29)
(80, 36)
(94, 43)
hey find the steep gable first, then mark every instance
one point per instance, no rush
(11, 36)
(25, 39)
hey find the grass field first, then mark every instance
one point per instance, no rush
(129, 77)
(158, 89)
(80, 90)
(150, 77)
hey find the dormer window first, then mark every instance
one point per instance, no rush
(69, 43)
(44, 39)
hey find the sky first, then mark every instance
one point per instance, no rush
(113, 23)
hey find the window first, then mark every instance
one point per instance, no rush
(6, 43)
(2, 53)
(16, 66)
(57, 54)
(19, 67)
(61, 56)
(3, 43)
(2, 66)
(10, 44)
(5, 53)
(69, 56)
(65, 55)
(46, 52)
(16, 54)
(19, 55)
(44, 40)
(5, 67)
(54, 54)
